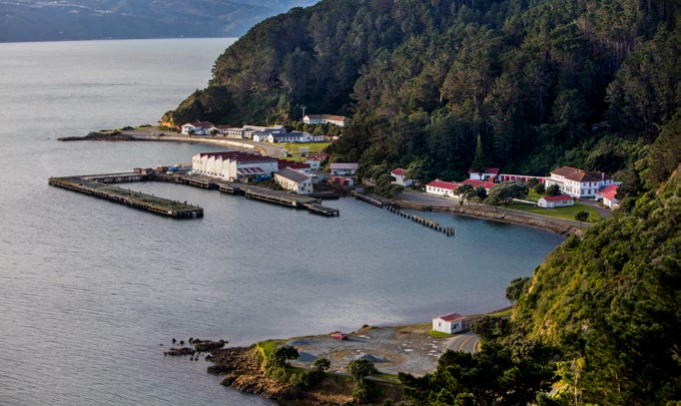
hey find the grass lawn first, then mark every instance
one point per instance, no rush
(566, 213)
(293, 150)
(534, 196)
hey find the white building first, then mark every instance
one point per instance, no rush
(294, 180)
(197, 127)
(234, 165)
(400, 178)
(578, 183)
(608, 196)
(551, 202)
(340, 121)
(487, 175)
(440, 188)
(293, 136)
(451, 323)
(347, 169)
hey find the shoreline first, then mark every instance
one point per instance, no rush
(141, 136)
(501, 215)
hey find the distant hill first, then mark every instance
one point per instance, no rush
(36, 20)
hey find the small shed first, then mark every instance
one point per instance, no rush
(451, 323)
(551, 202)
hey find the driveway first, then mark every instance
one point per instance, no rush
(604, 213)
(467, 342)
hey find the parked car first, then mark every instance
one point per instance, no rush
(339, 336)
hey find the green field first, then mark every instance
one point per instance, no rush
(565, 213)
(293, 150)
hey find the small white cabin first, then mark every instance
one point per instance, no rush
(451, 323)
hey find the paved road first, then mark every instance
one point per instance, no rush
(467, 342)
(272, 150)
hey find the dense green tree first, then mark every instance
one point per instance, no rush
(516, 288)
(539, 188)
(361, 368)
(282, 355)
(553, 190)
(582, 216)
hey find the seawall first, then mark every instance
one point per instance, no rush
(501, 216)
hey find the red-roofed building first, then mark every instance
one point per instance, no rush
(487, 175)
(608, 196)
(197, 127)
(441, 188)
(315, 160)
(551, 202)
(577, 182)
(476, 183)
(299, 166)
(451, 323)
(400, 178)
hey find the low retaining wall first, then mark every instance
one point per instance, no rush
(500, 216)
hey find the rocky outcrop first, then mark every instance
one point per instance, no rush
(242, 370)
(101, 136)
(502, 216)
(207, 345)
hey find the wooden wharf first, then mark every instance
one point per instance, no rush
(100, 186)
(322, 210)
(137, 200)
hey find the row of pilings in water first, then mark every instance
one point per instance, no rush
(391, 207)
(448, 231)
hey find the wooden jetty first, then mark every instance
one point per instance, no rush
(369, 199)
(92, 186)
(448, 231)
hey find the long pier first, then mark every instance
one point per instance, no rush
(311, 204)
(99, 186)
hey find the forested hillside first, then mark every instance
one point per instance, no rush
(611, 304)
(423, 78)
(600, 322)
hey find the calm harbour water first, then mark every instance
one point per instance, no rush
(89, 289)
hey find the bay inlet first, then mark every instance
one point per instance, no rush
(92, 292)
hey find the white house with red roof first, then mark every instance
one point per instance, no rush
(551, 202)
(441, 188)
(487, 175)
(315, 160)
(451, 323)
(577, 182)
(475, 183)
(608, 196)
(400, 177)
(197, 127)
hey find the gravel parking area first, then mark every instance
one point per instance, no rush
(402, 349)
